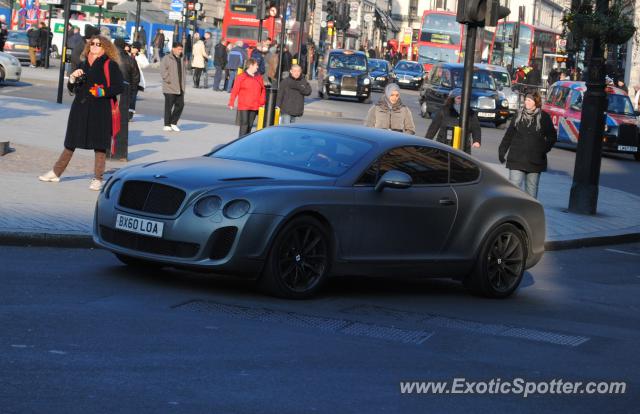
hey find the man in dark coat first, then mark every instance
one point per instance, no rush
(235, 59)
(76, 43)
(448, 118)
(291, 95)
(286, 60)
(4, 32)
(45, 42)
(33, 34)
(219, 62)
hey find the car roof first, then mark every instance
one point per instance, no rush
(494, 68)
(582, 87)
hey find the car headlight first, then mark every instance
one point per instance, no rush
(381, 78)
(332, 78)
(366, 81)
(207, 206)
(236, 209)
(504, 103)
(417, 78)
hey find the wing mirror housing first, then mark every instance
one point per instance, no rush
(394, 179)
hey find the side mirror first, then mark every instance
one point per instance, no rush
(394, 179)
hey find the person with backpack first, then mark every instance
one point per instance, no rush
(235, 60)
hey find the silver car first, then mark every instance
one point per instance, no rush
(292, 205)
(10, 69)
(503, 81)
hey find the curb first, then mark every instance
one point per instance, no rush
(85, 241)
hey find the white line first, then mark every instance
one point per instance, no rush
(622, 252)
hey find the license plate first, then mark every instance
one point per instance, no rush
(486, 115)
(627, 148)
(139, 225)
(403, 80)
(349, 93)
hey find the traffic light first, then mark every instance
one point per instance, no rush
(480, 12)
(344, 9)
(331, 10)
(261, 9)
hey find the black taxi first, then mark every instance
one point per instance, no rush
(344, 73)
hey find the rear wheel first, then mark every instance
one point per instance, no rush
(299, 260)
(500, 265)
(325, 92)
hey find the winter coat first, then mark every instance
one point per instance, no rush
(250, 92)
(446, 119)
(236, 58)
(291, 95)
(33, 35)
(199, 55)
(208, 46)
(528, 146)
(89, 125)
(45, 37)
(169, 71)
(135, 74)
(259, 57)
(286, 61)
(158, 40)
(220, 55)
(397, 118)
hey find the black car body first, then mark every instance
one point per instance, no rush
(381, 73)
(18, 45)
(409, 74)
(486, 100)
(344, 73)
(292, 205)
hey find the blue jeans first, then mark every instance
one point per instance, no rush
(531, 181)
(287, 119)
(232, 77)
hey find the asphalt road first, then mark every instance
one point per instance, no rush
(82, 333)
(617, 171)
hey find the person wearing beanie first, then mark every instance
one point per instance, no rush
(447, 118)
(525, 144)
(390, 113)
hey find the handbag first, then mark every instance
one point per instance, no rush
(115, 110)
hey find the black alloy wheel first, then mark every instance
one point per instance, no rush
(501, 263)
(299, 260)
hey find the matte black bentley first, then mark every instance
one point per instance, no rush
(292, 205)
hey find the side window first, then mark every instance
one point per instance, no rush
(576, 101)
(561, 97)
(425, 165)
(446, 78)
(462, 170)
(552, 94)
(436, 75)
(370, 176)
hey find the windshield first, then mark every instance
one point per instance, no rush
(501, 78)
(380, 65)
(440, 28)
(17, 37)
(482, 79)
(298, 149)
(433, 54)
(352, 62)
(619, 104)
(409, 67)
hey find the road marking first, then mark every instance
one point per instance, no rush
(622, 252)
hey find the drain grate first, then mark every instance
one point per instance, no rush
(435, 321)
(341, 326)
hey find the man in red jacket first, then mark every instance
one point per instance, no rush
(251, 94)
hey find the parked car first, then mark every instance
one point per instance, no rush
(564, 105)
(17, 44)
(381, 73)
(344, 73)
(292, 205)
(10, 69)
(409, 74)
(486, 100)
(503, 82)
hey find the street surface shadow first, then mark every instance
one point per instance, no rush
(19, 84)
(8, 113)
(137, 138)
(140, 154)
(192, 127)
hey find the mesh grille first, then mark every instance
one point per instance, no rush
(221, 242)
(151, 197)
(148, 244)
(349, 83)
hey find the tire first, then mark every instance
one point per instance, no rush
(299, 260)
(136, 263)
(500, 265)
(325, 92)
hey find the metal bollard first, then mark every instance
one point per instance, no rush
(276, 118)
(260, 124)
(457, 133)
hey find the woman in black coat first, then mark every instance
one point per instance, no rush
(89, 124)
(529, 137)
(449, 117)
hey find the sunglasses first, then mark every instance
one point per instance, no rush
(96, 44)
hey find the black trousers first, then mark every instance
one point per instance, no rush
(197, 73)
(173, 106)
(246, 119)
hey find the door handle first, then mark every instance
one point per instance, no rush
(446, 202)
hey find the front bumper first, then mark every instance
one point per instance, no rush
(493, 115)
(362, 91)
(409, 83)
(614, 143)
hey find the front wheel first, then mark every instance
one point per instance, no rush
(299, 260)
(325, 92)
(500, 265)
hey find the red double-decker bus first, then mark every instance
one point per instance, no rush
(440, 38)
(240, 23)
(533, 44)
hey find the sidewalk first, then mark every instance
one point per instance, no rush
(33, 212)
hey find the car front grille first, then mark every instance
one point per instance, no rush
(485, 102)
(151, 197)
(349, 83)
(148, 244)
(221, 241)
(628, 135)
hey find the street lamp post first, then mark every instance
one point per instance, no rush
(138, 11)
(583, 198)
(99, 3)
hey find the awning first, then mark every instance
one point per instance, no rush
(386, 20)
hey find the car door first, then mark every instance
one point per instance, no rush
(433, 90)
(404, 224)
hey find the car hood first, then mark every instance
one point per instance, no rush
(203, 173)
